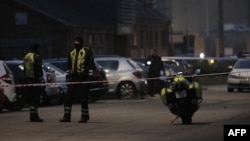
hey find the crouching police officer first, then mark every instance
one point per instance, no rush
(34, 75)
(80, 66)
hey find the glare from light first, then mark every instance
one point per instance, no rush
(202, 55)
(148, 62)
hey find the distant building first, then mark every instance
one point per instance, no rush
(200, 18)
(125, 27)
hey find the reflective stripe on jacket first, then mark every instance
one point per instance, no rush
(77, 61)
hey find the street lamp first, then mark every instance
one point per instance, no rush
(202, 55)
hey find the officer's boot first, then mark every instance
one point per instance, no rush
(84, 114)
(67, 115)
(34, 117)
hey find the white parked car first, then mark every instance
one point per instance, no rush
(7, 86)
(239, 77)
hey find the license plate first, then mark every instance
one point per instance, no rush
(181, 94)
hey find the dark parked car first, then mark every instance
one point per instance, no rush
(169, 72)
(97, 89)
(51, 92)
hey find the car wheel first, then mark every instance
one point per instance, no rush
(61, 96)
(127, 90)
(17, 104)
(230, 89)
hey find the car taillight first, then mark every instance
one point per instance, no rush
(137, 74)
(49, 78)
(6, 78)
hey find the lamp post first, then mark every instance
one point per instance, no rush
(207, 41)
(207, 18)
(220, 52)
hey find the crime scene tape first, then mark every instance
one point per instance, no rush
(73, 83)
(57, 84)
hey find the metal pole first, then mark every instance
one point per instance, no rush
(221, 30)
(207, 49)
(145, 29)
(207, 18)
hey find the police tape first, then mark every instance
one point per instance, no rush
(89, 82)
(52, 84)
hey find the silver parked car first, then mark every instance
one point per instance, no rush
(239, 77)
(60, 79)
(125, 76)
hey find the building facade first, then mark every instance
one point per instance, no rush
(128, 28)
(202, 19)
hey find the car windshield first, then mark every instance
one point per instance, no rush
(243, 64)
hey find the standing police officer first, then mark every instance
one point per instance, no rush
(34, 74)
(80, 66)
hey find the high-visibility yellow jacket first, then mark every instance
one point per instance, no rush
(32, 65)
(80, 61)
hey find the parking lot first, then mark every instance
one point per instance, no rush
(133, 120)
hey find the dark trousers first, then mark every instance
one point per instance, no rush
(33, 96)
(79, 91)
(34, 93)
(154, 86)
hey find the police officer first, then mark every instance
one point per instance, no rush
(154, 71)
(34, 75)
(80, 68)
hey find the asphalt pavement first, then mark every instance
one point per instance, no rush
(131, 120)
